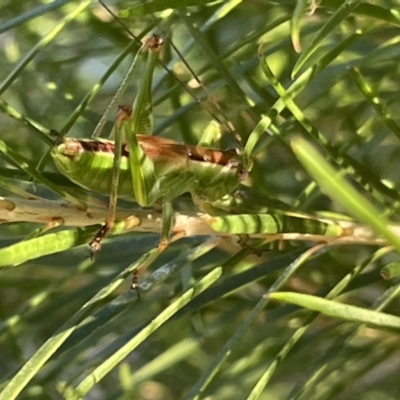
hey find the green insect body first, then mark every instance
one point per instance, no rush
(273, 224)
(206, 173)
(147, 169)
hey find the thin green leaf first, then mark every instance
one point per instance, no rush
(341, 13)
(140, 8)
(297, 17)
(22, 163)
(51, 243)
(35, 363)
(339, 310)
(43, 43)
(333, 183)
(86, 385)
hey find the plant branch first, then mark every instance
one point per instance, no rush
(47, 212)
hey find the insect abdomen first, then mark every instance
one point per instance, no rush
(89, 164)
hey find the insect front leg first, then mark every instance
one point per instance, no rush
(146, 189)
(145, 182)
(126, 127)
(109, 224)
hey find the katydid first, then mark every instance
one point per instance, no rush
(207, 174)
(150, 169)
(146, 168)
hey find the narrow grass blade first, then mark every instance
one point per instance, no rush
(339, 310)
(35, 363)
(198, 389)
(51, 243)
(32, 14)
(297, 17)
(333, 183)
(38, 129)
(20, 161)
(373, 99)
(299, 333)
(86, 385)
(152, 6)
(43, 43)
(338, 17)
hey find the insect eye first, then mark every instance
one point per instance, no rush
(242, 173)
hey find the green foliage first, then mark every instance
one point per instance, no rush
(205, 325)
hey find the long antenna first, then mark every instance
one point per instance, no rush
(226, 122)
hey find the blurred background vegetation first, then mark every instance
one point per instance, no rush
(350, 88)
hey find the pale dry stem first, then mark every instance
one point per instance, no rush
(46, 212)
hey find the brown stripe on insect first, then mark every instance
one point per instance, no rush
(227, 158)
(96, 146)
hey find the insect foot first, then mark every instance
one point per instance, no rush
(135, 283)
(244, 243)
(95, 243)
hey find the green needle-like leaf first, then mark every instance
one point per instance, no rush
(339, 310)
(335, 186)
